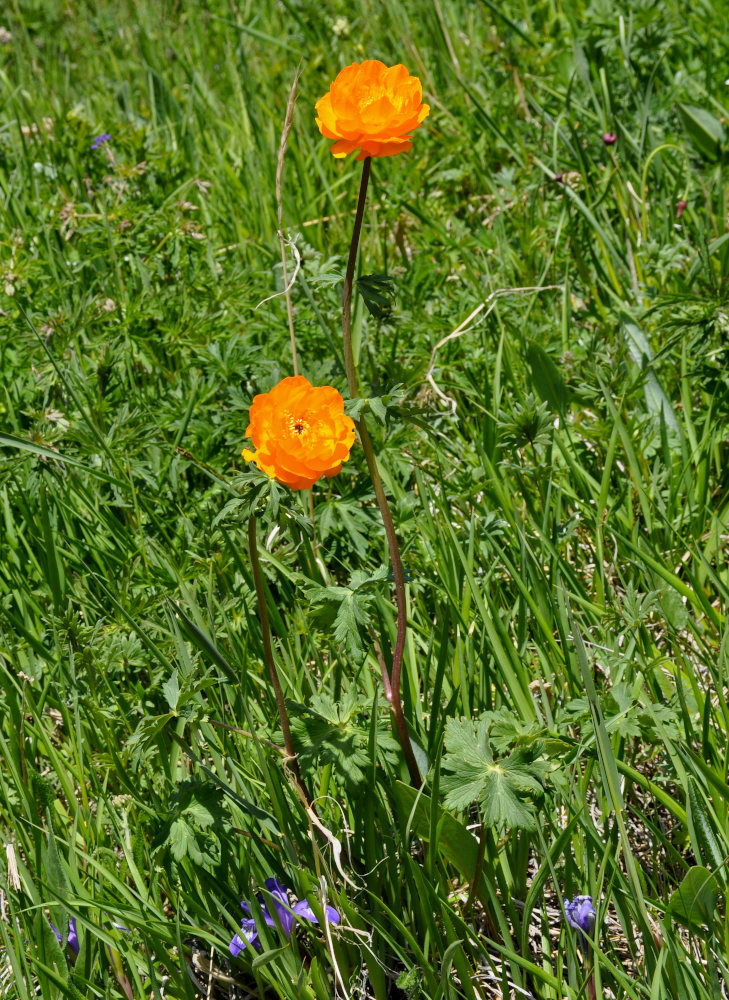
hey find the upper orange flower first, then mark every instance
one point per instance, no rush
(300, 431)
(373, 107)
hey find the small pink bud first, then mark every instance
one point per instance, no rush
(609, 138)
(681, 207)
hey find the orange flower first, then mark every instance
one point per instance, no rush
(373, 107)
(300, 431)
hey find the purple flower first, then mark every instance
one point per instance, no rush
(286, 914)
(581, 916)
(101, 140)
(681, 207)
(609, 138)
(72, 940)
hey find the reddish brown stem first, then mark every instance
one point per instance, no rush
(390, 533)
(349, 281)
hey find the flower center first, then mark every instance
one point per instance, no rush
(297, 424)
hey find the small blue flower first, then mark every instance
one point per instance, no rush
(286, 914)
(72, 939)
(101, 140)
(581, 916)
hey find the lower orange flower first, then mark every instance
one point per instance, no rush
(300, 432)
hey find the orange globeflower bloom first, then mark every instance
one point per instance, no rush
(300, 431)
(373, 107)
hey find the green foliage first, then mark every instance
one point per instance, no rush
(704, 130)
(379, 406)
(339, 735)
(409, 982)
(693, 903)
(530, 424)
(378, 294)
(195, 823)
(264, 498)
(347, 609)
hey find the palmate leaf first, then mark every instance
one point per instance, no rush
(352, 607)
(263, 497)
(337, 733)
(351, 615)
(502, 787)
(194, 822)
(377, 405)
(183, 840)
(341, 746)
(466, 762)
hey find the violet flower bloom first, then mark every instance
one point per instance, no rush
(101, 140)
(286, 914)
(581, 916)
(72, 940)
(609, 138)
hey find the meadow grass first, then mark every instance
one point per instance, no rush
(557, 470)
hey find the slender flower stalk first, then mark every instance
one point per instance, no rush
(349, 280)
(390, 533)
(270, 662)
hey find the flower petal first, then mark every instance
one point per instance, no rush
(581, 915)
(280, 895)
(343, 147)
(236, 946)
(303, 910)
(248, 936)
(73, 936)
